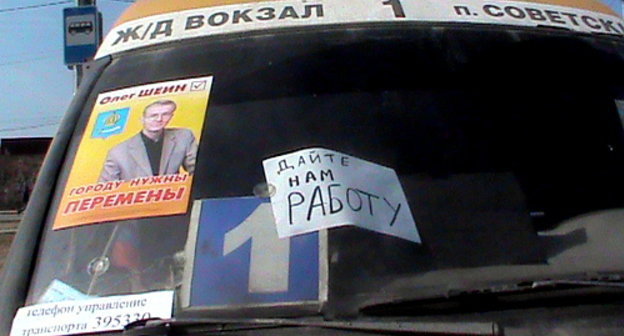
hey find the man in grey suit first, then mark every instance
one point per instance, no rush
(156, 150)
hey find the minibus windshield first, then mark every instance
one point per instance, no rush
(508, 146)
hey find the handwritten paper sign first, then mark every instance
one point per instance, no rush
(318, 188)
(89, 316)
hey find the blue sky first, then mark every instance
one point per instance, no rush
(36, 87)
(615, 4)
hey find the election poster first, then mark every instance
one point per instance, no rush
(137, 155)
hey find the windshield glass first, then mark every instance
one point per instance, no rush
(508, 147)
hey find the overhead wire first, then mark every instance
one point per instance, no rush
(30, 53)
(28, 60)
(48, 4)
(50, 118)
(27, 123)
(21, 128)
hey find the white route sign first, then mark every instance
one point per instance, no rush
(318, 188)
(262, 15)
(89, 316)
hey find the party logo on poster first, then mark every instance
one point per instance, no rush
(110, 123)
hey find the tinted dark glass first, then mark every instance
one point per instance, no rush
(495, 137)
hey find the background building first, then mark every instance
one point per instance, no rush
(20, 161)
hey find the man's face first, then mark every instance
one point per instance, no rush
(157, 117)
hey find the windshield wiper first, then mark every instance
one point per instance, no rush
(207, 326)
(615, 281)
(501, 296)
(572, 282)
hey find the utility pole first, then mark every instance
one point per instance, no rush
(78, 67)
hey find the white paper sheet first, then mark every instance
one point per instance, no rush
(93, 315)
(318, 188)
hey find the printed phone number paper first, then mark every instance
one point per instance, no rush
(317, 188)
(89, 316)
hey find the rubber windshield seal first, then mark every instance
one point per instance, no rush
(15, 279)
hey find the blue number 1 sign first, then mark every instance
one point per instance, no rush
(239, 260)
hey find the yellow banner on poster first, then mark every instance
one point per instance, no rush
(137, 156)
